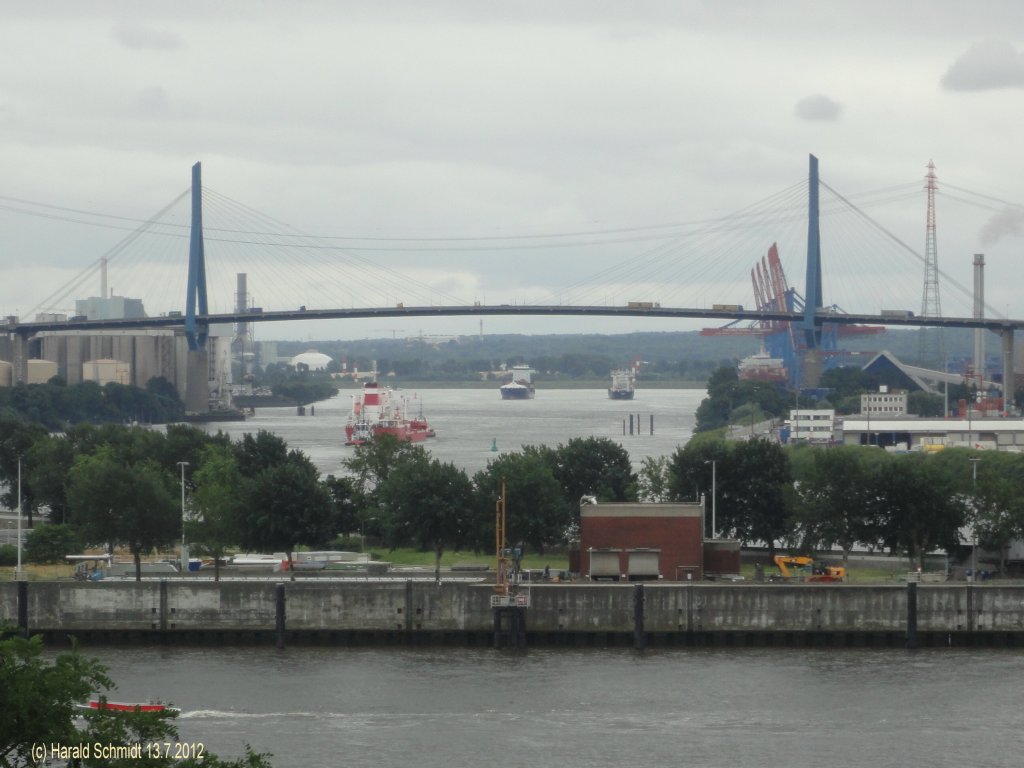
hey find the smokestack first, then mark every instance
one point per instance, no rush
(103, 277)
(979, 312)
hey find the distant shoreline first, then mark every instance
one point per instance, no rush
(541, 384)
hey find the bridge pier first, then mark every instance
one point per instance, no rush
(1006, 334)
(19, 361)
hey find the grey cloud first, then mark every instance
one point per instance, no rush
(1005, 223)
(145, 37)
(818, 107)
(985, 66)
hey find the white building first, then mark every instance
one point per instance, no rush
(812, 425)
(884, 403)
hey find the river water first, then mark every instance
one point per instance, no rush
(469, 422)
(579, 708)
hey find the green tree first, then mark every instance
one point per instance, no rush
(428, 503)
(917, 507)
(216, 505)
(713, 411)
(49, 463)
(835, 495)
(50, 543)
(593, 466)
(537, 514)
(286, 505)
(370, 465)
(756, 497)
(16, 441)
(255, 453)
(115, 503)
(654, 479)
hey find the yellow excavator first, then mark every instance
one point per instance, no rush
(808, 569)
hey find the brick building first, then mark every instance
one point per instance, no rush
(639, 542)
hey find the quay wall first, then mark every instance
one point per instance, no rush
(174, 609)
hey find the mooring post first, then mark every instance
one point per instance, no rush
(279, 615)
(652, 423)
(639, 638)
(23, 608)
(408, 605)
(912, 614)
(162, 609)
(970, 605)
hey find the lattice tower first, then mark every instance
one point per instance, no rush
(931, 349)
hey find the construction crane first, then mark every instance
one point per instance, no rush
(780, 339)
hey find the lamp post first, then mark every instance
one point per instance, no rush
(362, 536)
(974, 521)
(18, 574)
(184, 549)
(714, 497)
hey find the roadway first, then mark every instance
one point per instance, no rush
(822, 317)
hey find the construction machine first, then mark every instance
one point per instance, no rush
(802, 568)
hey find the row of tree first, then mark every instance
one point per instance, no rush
(117, 486)
(120, 486)
(807, 498)
(55, 405)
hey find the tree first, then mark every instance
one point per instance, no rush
(49, 463)
(714, 410)
(916, 506)
(595, 466)
(16, 440)
(537, 514)
(50, 543)
(834, 493)
(257, 453)
(285, 505)
(371, 464)
(756, 498)
(117, 503)
(216, 503)
(429, 503)
(990, 485)
(654, 479)
(40, 697)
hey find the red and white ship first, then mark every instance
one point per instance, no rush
(377, 410)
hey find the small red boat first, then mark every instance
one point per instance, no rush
(95, 705)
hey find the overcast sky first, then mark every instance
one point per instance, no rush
(480, 119)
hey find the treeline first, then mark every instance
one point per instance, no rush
(120, 486)
(806, 498)
(300, 384)
(55, 405)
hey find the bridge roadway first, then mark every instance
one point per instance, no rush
(998, 325)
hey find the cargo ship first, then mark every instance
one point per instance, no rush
(377, 410)
(519, 385)
(623, 384)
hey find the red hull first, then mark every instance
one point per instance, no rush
(120, 706)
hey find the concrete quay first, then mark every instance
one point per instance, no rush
(362, 612)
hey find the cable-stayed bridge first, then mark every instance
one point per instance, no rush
(682, 270)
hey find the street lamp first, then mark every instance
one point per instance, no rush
(184, 549)
(974, 521)
(362, 535)
(714, 497)
(18, 574)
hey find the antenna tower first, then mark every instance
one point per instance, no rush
(930, 343)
